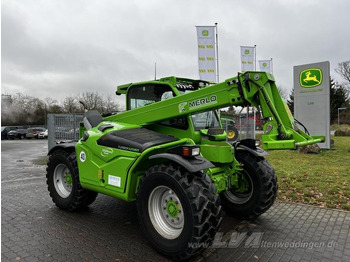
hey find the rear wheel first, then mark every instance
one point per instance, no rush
(63, 182)
(257, 188)
(179, 211)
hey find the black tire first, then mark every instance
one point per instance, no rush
(197, 211)
(91, 197)
(63, 183)
(260, 193)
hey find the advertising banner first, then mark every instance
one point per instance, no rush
(206, 53)
(265, 66)
(312, 99)
(247, 58)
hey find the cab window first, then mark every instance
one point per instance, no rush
(142, 95)
(205, 120)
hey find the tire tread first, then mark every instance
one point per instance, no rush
(205, 204)
(81, 197)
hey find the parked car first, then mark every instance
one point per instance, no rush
(18, 133)
(5, 130)
(33, 132)
(43, 134)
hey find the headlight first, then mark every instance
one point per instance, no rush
(257, 143)
(186, 151)
(196, 151)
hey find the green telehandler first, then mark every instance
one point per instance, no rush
(169, 153)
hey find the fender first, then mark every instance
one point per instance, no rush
(193, 164)
(249, 145)
(70, 147)
(256, 152)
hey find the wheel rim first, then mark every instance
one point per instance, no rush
(166, 213)
(62, 180)
(231, 134)
(243, 193)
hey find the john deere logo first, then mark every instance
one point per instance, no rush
(205, 32)
(310, 77)
(246, 52)
(264, 64)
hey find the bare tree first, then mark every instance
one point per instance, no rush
(282, 92)
(53, 106)
(94, 101)
(71, 105)
(21, 109)
(343, 69)
(110, 105)
(24, 110)
(50, 102)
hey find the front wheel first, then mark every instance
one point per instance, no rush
(179, 211)
(63, 182)
(257, 188)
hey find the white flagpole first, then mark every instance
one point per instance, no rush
(271, 66)
(217, 53)
(155, 70)
(254, 57)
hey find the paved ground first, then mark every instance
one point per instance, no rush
(33, 229)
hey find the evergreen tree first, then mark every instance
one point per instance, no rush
(339, 98)
(290, 101)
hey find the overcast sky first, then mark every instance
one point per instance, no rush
(55, 48)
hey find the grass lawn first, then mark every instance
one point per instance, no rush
(319, 179)
(335, 126)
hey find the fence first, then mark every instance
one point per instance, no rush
(63, 128)
(244, 123)
(245, 126)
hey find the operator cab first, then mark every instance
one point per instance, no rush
(143, 94)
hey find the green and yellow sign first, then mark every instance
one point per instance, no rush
(310, 77)
(205, 33)
(311, 98)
